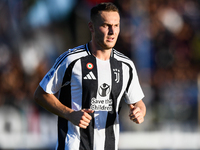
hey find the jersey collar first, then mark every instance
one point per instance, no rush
(90, 53)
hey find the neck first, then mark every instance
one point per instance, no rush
(102, 54)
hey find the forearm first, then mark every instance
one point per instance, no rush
(80, 118)
(51, 103)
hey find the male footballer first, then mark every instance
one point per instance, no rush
(90, 80)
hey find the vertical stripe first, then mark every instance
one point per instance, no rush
(130, 76)
(116, 69)
(89, 90)
(65, 98)
(73, 142)
(103, 95)
(76, 86)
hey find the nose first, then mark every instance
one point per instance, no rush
(111, 30)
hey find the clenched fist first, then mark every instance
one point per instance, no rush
(81, 118)
(135, 114)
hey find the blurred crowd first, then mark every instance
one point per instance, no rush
(175, 38)
(162, 37)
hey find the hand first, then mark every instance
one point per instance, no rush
(81, 118)
(136, 114)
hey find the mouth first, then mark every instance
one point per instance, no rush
(110, 39)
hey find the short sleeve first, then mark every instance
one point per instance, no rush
(52, 81)
(134, 91)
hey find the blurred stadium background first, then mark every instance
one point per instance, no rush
(162, 37)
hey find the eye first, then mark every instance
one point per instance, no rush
(105, 25)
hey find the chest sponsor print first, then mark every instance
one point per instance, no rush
(103, 103)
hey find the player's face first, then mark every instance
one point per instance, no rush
(106, 29)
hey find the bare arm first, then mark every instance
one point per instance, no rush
(51, 103)
(137, 112)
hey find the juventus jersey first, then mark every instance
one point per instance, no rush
(84, 81)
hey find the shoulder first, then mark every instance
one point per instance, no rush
(71, 55)
(121, 57)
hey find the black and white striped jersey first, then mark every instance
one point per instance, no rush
(84, 81)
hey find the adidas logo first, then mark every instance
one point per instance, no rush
(90, 76)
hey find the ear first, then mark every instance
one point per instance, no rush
(91, 27)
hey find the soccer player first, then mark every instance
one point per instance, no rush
(89, 81)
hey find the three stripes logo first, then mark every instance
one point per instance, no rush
(90, 76)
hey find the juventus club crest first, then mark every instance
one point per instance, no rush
(104, 90)
(117, 75)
